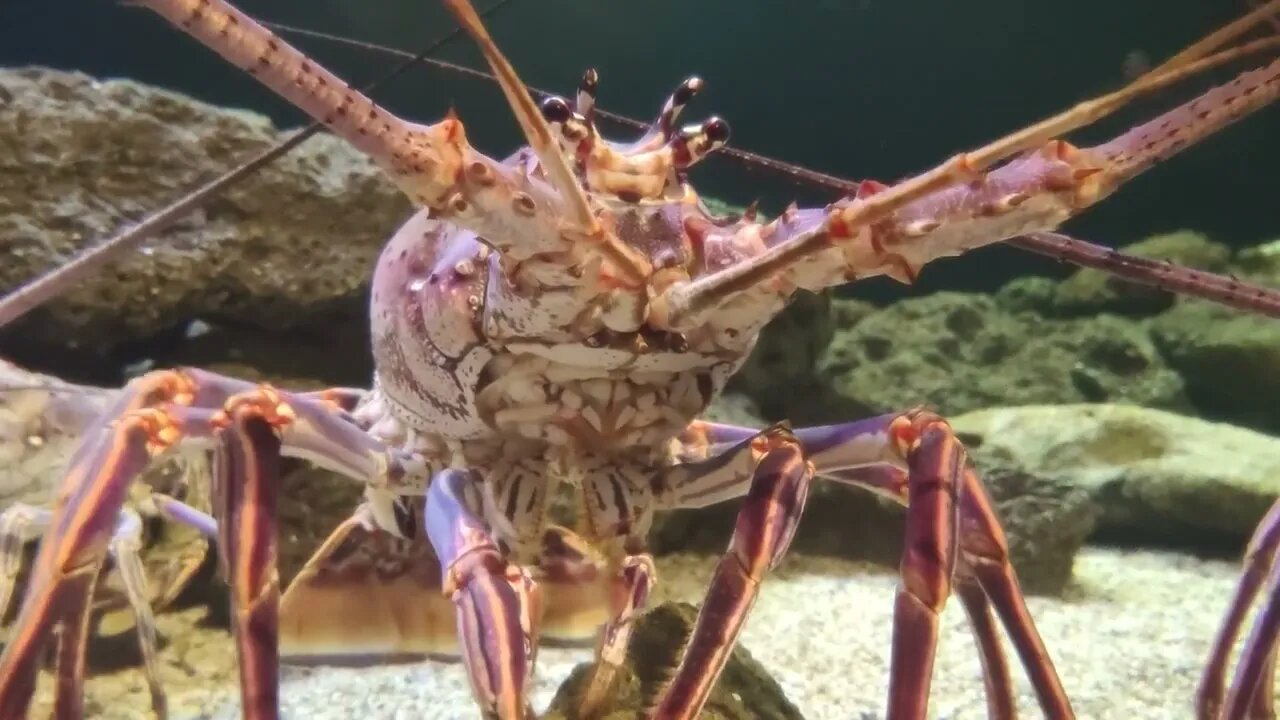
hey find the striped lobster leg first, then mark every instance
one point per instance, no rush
(498, 604)
(952, 537)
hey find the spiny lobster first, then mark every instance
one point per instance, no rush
(565, 315)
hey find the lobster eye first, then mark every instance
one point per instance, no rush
(556, 110)
(717, 130)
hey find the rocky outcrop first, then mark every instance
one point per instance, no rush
(1152, 476)
(290, 249)
(958, 352)
(745, 690)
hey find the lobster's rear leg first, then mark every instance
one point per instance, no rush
(1251, 694)
(20, 524)
(915, 458)
(125, 549)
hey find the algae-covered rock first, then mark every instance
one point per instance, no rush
(1229, 361)
(1260, 264)
(1028, 294)
(1154, 476)
(291, 247)
(1093, 291)
(745, 690)
(780, 373)
(960, 352)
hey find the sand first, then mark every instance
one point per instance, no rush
(1129, 640)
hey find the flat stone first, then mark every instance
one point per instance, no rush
(1154, 476)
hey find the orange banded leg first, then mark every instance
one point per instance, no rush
(498, 604)
(246, 481)
(983, 576)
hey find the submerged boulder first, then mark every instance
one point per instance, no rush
(1229, 361)
(1153, 476)
(959, 352)
(745, 690)
(289, 249)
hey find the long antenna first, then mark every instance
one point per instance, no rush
(1226, 290)
(44, 288)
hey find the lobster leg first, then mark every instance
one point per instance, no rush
(779, 485)
(246, 475)
(155, 413)
(498, 604)
(632, 583)
(913, 457)
(125, 550)
(1259, 650)
(19, 524)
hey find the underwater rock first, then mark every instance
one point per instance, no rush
(959, 352)
(1229, 361)
(1154, 476)
(1260, 263)
(1088, 292)
(780, 374)
(291, 247)
(1033, 293)
(745, 690)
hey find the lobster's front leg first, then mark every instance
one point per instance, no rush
(498, 604)
(246, 478)
(763, 532)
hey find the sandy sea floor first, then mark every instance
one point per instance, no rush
(1129, 640)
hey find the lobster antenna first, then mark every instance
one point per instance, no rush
(1222, 289)
(1227, 291)
(48, 286)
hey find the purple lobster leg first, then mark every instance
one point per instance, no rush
(246, 481)
(1247, 698)
(498, 604)
(913, 457)
(779, 484)
(155, 413)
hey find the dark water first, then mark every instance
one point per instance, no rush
(857, 89)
